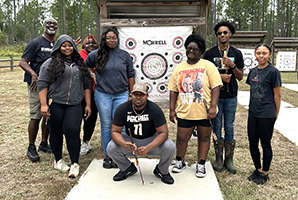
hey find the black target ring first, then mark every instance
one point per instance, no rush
(178, 42)
(130, 43)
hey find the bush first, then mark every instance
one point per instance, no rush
(3, 39)
(15, 50)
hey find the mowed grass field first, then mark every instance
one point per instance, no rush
(22, 179)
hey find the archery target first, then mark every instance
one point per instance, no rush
(130, 43)
(177, 57)
(155, 52)
(154, 66)
(286, 61)
(162, 87)
(178, 42)
(249, 59)
(149, 87)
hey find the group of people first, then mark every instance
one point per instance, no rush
(66, 85)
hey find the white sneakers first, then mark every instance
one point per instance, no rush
(74, 170)
(85, 148)
(61, 165)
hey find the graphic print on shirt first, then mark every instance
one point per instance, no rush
(137, 123)
(191, 86)
(258, 90)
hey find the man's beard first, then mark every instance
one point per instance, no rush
(48, 31)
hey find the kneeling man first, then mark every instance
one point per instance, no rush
(149, 131)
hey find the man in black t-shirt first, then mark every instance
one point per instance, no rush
(229, 62)
(37, 51)
(147, 124)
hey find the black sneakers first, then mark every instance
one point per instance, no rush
(122, 175)
(166, 178)
(253, 176)
(44, 147)
(108, 163)
(261, 178)
(32, 154)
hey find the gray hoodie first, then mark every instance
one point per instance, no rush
(69, 89)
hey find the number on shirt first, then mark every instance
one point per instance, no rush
(138, 129)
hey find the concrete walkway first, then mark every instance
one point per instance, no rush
(96, 183)
(286, 121)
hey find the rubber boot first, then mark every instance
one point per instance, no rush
(229, 154)
(218, 146)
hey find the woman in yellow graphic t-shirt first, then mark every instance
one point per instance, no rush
(193, 82)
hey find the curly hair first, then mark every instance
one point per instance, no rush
(227, 24)
(199, 40)
(103, 52)
(88, 37)
(56, 67)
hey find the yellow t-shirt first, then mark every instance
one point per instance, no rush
(193, 83)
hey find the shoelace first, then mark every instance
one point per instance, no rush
(200, 168)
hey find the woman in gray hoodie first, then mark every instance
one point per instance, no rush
(62, 84)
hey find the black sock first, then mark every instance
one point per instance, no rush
(43, 143)
(178, 158)
(202, 162)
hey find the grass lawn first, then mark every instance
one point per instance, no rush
(21, 179)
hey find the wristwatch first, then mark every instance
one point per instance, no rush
(233, 67)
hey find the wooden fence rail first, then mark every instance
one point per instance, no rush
(11, 60)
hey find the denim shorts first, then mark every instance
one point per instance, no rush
(185, 123)
(34, 104)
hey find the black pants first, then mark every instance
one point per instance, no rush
(90, 123)
(65, 119)
(260, 129)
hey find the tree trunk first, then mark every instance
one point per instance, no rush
(290, 18)
(282, 22)
(259, 17)
(81, 19)
(235, 12)
(75, 20)
(90, 4)
(15, 21)
(37, 20)
(277, 19)
(296, 16)
(63, 17)
(25, 20)
(263, 18)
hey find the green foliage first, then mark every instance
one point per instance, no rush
(3, 39)
(12, 50)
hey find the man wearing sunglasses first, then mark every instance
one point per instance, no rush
(229, 62)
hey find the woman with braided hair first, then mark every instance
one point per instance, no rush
(114, 79)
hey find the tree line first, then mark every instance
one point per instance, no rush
(21, 20)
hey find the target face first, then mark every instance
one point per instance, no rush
(287, 61)
(154, 66)
(177, 57)
(162, 87)
(247, 62)
(149, 87)
(133, 58)
(178, 42)
(130, 43)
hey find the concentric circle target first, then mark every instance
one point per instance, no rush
(287, 61)
(177, 57)
(149, 87)
(248, 62)
(162, 87)
(178, 42)
(154, 66)
(130, 43)
(133, 58)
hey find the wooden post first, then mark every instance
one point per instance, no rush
(11, 63)
(103, 11)
(204, 13)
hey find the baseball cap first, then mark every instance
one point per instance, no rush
(139, 87)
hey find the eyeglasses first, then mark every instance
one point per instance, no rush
(112, 38)
(224, 32)
(49, 23)
(195, 50)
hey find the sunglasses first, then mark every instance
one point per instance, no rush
(224, 32)
(195, 50)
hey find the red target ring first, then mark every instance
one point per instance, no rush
(130, 43)
(178, 42)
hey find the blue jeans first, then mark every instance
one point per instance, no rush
(106, 105)
(226, 109)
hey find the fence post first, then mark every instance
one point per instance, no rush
(11, 63)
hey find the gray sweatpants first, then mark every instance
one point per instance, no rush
(166, 152)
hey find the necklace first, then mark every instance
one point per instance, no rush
(136, 111)
(256, 77)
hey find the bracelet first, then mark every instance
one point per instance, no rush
(92, 74)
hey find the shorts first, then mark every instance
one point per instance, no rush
(185, 123)
(34, 104)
